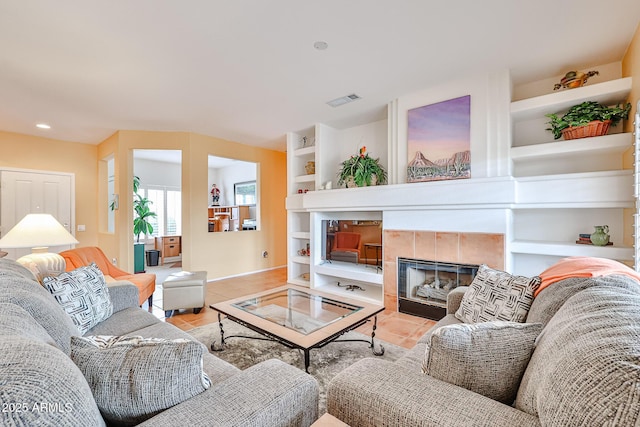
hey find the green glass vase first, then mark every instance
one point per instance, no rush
(600, 237)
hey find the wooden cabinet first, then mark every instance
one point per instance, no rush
(169, 246)
(228, 218)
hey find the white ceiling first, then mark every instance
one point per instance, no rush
(247, 71)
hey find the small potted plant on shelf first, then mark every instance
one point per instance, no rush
(361, 170)
(587, 119)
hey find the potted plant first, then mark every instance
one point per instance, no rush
(141, 224)
(361, 170)
(587, 119)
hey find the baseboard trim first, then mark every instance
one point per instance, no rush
(246, 274)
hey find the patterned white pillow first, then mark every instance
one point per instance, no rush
(497, 295)
(83, 295)
(488, 358)
(134, 378)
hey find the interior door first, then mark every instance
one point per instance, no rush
(25, 192)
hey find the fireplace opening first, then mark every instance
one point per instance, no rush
(423, 285)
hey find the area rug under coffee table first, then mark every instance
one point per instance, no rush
(327, 361)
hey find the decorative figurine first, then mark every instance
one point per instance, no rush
(574, 79)
(215, 194)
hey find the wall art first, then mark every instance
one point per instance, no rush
(439, 141)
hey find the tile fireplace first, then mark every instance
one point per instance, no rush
(452, 247)
(423, 285)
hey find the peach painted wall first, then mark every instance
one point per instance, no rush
(227, 254)
(220, 254)
(631, 68)
(32, 152)
(110, 243)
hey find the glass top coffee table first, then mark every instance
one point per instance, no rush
(298, 318)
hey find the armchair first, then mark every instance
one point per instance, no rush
(78, 257)
(346, 246)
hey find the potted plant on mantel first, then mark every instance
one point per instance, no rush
(586, 120)
(361, 170)
(141, 224)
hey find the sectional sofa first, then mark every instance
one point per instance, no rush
(582, 367)
(47, 380)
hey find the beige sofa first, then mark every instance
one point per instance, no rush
(584, 371)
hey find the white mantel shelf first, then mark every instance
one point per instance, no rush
(592, 189)
(459, 194)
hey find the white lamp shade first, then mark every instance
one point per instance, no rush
(36, 231)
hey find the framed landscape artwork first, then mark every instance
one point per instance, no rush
(439, 141)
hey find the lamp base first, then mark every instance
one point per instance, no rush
(43, 264)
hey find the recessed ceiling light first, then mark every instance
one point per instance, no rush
(43, 126)
(320, 45)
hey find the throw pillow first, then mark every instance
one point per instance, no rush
(487, 358)
(83, 295)
(497, 295)
(134, 378)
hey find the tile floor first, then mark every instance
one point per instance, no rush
(396, 328)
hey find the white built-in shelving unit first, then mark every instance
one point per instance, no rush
(548, 192)
(301, 149)
(329, 147)
(565, 188)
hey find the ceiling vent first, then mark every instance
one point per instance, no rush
(343, 100)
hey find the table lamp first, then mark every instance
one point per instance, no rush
(38, 232)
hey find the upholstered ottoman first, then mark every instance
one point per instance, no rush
(184, 290)
(345, 256)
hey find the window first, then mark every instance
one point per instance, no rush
(245, 193)
(167, 204)
(112, 198)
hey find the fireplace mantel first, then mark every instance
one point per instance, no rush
(459, 194)
(580, 190)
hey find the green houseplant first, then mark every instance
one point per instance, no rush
(588, 113)
(141, 224)
(142, 209)
(361, 170)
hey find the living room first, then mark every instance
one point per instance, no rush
(34, 150)
(500, 201)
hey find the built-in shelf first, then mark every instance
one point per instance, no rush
(299, 282)
(301, 235)
(589, 189)
(345, 270)
(571, 249)
(606, 93)
(613, 144)
(294, 202)
(304, 151)
(370, 294)
(300, 259)
(305, 178)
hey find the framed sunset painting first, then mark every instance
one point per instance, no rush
(439, 141)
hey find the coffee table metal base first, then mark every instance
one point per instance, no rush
(267, 336)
